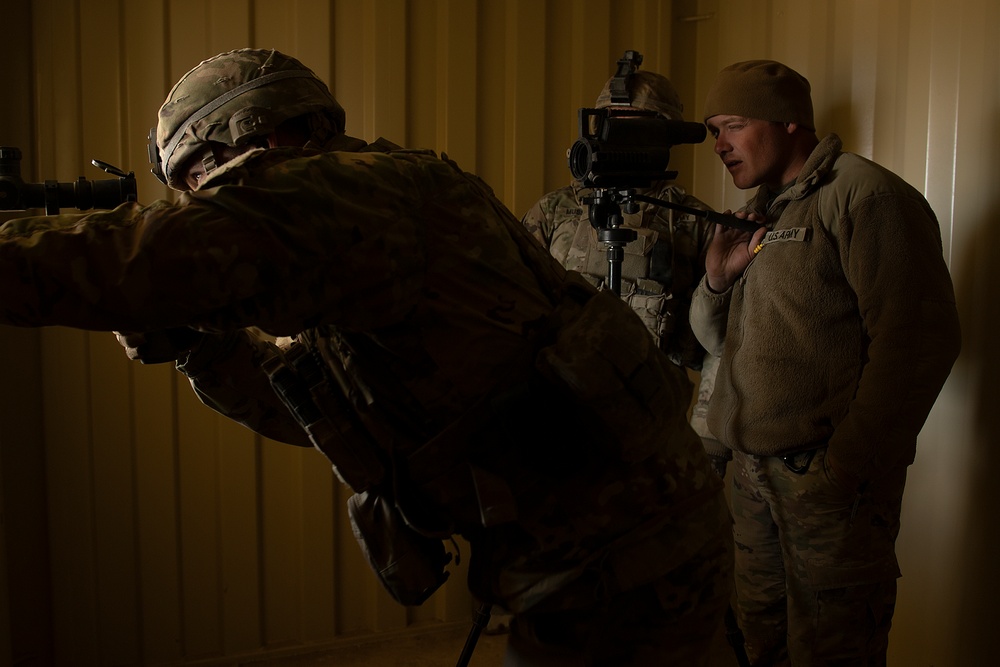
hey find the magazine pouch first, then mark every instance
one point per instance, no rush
(410, 565)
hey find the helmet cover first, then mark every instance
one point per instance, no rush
(232, 98)
(648, 91)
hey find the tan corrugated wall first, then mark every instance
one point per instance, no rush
(139, 528)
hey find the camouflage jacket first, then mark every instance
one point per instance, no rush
(437, 322)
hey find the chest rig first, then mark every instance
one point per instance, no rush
(647, 269)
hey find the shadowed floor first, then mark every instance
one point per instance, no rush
(437, 646)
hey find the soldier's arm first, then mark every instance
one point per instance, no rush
(538, 222)
(241, 253)
(708, 315)
(717, 452)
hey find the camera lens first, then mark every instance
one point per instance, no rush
(580, 156)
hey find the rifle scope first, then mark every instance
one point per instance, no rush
(82, 194)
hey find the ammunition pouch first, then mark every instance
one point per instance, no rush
(327, 417)
(653, 304)
(409, 565)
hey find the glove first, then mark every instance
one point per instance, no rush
(157, 347)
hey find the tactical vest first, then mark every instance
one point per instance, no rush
(654, 269)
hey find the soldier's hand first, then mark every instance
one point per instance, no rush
(730, 253)
(157, 347)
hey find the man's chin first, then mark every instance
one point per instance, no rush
(742, 182)
(735, 172)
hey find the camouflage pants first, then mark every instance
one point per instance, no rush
(670, 621)
(816, 567)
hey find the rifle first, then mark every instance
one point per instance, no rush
(83, 194)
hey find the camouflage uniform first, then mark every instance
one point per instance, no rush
(430, 325)
(836, 562)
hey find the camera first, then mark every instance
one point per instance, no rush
(627, 148)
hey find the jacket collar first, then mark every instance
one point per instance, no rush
(814, 171)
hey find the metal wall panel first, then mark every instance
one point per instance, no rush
(175, 536)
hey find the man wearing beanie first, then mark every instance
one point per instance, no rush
(836, 326)
(661, 267)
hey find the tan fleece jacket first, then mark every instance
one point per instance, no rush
(843, 329)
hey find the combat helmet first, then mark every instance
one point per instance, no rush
(234, 98)
(648, 91)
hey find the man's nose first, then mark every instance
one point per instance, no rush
(721, 145)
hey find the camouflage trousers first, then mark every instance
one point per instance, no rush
(816, 567)
(671, 621)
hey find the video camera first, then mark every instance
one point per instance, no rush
(622, 149)
(630, 148)
(82, 194)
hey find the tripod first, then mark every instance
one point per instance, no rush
(606, 217)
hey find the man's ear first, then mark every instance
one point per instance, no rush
(791, 127)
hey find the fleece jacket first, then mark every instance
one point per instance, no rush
(843, 328)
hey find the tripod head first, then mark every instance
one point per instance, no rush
(606, 206)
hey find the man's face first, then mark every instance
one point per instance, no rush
(756, 152)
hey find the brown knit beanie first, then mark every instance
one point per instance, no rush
(762, 89)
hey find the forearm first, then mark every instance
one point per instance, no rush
(699, 412)
(709, 314)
